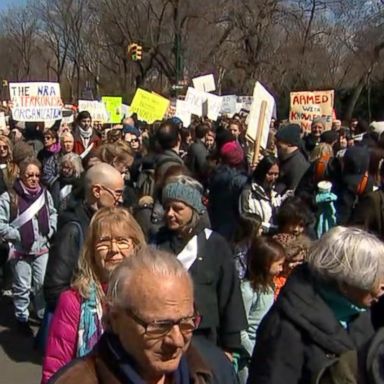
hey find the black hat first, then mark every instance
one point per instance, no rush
(329, 137)
(289, 134)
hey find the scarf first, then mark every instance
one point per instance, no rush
(90, 326)
(27, 197)
(85, 136)
(125, 367)
(54, 148)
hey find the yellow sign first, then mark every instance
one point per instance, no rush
(306, 106)
(149, 106)
(113, 107)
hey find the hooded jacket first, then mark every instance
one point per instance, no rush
(300, 335)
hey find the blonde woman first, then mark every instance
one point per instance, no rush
(76, 326)
(8, 169)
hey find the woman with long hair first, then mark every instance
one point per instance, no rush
(76, 326)
(8, 169)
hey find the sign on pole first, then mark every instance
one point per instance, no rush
(95, 108)
(204, 83)
(183, 112)
(259, 118)
(113, 107)
(149, 106)
(306, 106)
(35, 101)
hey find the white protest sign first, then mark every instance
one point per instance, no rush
(125, 110)
(244, 102)
(195, 100)
(183, 112)
(229, 105)
(260, 94)
(95, 108)
(214, 106)
(3, 123)
(35, 101)
(204, 83)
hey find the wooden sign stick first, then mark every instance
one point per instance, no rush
(256, 148)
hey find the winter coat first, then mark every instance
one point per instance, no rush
(65, 251)
(51, 170)
(78, 146)
(225, 186)
(63, 334)
(12, 235)
(254, 200)
(197, 159)
(166, 159)
(217, 289)
(300, 334)
(206, 364)
(292, 169)
(369, 213)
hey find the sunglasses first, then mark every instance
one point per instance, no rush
(133, 141)
(4, 147)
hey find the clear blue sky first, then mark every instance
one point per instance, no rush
(4, 4)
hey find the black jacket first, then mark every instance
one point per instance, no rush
(292, 169)
(217, 289)
(167, 159)
(197, 159)
(300, 334)
(64, 252)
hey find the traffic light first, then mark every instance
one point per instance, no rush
(135, 52)
(5, 83)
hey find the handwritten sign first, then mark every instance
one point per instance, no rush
(260, 94)
(204, 83)
(149, 106)
(306, 106)
(229, 104)
(183, 112)
(95, 108)
(197, 100)
(113, 107)
(35, 101)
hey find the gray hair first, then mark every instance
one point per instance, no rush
(75, 160)
(154, 261)
(187, 180)
(348, 256)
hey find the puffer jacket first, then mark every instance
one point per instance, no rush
(62, 339)
(254, 200)
(300, 335)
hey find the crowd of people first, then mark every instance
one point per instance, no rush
(158, 253)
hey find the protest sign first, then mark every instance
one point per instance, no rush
(95, 108)
(3, 123)
(35, 101)
(113, 107)
(243, 102)
(259, 118)
(183, 112)
(125, 110)
(204, 83)
(196, 99)
(306, 106)
(149, 106)
(229, 105)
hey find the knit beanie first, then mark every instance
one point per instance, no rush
(232, 153)
(21, 151)
(131, 129)
(329, 137)
(289, 134)
(185, 193)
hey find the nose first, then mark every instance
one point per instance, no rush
(114, 247)
(175, 337)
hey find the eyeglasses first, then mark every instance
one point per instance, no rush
(106, 243)
(133, 141)
(30, 175)
(160, 328)
(4, 147)
(48, 137)
(115, 194)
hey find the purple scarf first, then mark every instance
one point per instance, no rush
(26, 197)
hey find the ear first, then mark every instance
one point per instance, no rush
(96, 191)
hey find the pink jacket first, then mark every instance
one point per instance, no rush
(62, 339)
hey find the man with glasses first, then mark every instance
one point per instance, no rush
(149, 321)
(103, 188)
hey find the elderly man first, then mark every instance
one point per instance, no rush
(103, 188)
(149, 321)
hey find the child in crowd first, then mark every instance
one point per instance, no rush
(265, 261)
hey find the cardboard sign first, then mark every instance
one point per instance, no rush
(306, 106)
(204, 83)
(183, 112)
(196, 100)
(260, 94)
(149, 106)
(229, 105)
(95, 108)
(113, 107)
(35, 101)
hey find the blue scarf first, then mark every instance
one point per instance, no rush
(125, 367)
(90, 327)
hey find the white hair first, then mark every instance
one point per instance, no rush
(156, 262)
(73, 159)
(348, 256)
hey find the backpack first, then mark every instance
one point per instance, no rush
(146, 183)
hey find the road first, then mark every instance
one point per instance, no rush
(19, 362)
